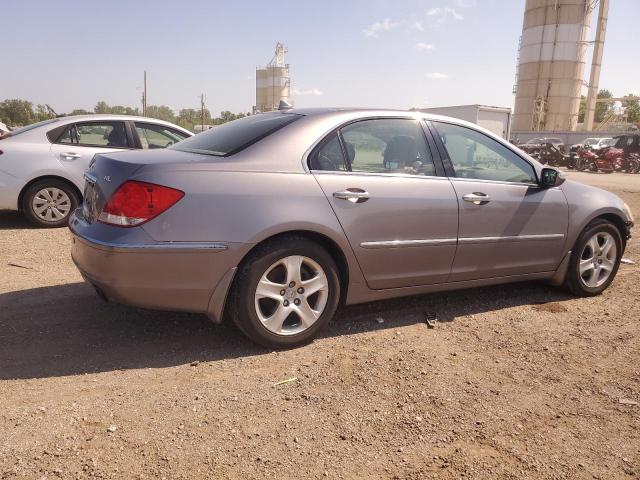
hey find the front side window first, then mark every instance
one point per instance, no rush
(158, 136)
(235, 136)
(391, 145)
(95, 134)
(475, 155)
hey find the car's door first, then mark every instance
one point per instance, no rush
(508, 224)
(79, 142)
(399, 216)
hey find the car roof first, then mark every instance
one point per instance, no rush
(109, 116)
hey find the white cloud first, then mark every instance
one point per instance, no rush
(425, 46)
(437, 76)
(375, 29)
(442, 14)
(454, 13)
(418, 26)
(314, 92)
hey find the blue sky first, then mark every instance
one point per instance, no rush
(384, 53)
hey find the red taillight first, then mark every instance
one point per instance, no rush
(134, 203)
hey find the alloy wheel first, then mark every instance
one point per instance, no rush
(598, 259)
(291, 295)
(51, 204)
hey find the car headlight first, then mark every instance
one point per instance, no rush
(627, 212)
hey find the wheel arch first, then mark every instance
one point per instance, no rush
(47, 177)
(618, 221)
(330, 245)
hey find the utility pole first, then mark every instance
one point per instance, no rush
(202, 111)
(144, 96)
(596, 65)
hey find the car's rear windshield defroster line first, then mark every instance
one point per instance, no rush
(235, 136)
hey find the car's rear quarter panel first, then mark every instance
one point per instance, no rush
(246, 208)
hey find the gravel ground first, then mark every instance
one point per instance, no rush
(518, 381)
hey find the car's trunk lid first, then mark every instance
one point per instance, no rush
(102, 179)
(107, 171)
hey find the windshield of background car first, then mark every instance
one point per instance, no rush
(20, 130)
(608, 142)
(591, 141)
(235, 136)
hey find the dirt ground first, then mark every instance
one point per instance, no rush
(518, 381)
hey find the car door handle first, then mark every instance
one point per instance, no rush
(69, 155)
(354, 195)
(477, 198)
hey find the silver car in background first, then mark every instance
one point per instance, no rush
(42, 165)
(275, 219)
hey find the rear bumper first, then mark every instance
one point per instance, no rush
(180, 276)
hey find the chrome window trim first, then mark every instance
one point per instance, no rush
(376, 174)
(499, 182)
(510, 238)
(409, 243)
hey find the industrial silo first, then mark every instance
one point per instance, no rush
(272, 82)
(551, 64)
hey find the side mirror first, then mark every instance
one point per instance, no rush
(550, 177)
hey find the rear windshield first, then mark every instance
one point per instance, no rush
(235, 136)
(20, 130)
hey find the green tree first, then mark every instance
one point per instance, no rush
(583, 108)
(102, 107)
(79, 111)
(17, 112)
(189, 117)
(44, 112)
(603, 108)
(632, 109)
(227, 116)
(161, 112)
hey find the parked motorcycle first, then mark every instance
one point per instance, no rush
(587, 160)
(552, 155)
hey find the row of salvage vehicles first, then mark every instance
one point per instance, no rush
(618, 154)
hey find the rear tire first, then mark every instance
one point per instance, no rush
(595, 259)
(48, 203)
(308, 276)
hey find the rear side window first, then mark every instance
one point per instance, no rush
(158, 136)
(235, 136)
(383, 145)
(95, 134)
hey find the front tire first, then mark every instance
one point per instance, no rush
(49, 203)
(595, 259)
(285, 292)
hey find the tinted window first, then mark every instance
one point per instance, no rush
(158, 136)
(329, 156)
(475, 155)
(234, 136)
(95, 134)
(390, 145)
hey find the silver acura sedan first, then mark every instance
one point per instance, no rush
(275, 219)
(42, 165)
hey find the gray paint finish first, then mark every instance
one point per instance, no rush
(412, 235)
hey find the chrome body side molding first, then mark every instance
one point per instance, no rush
(511, 238)
(409, 243)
